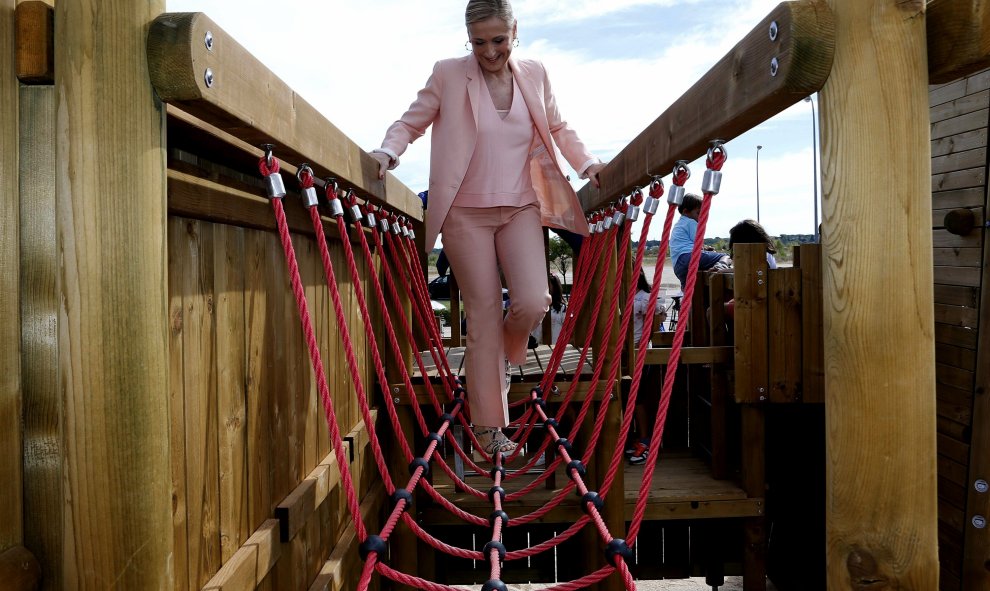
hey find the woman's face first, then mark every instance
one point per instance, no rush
(491, 40)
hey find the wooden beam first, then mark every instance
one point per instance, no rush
(344, 563)
(751, 332)
(251, 563)
(880, 407)
(247, 100)
(35, 42)
(19, 570)
(113, 325)
(738, 93)
(11, 519)
(958, 38)
(691, 355)
(294, 510)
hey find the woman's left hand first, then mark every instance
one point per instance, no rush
(592, 173)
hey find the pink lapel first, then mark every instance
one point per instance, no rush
(537, 110)
(473, 73)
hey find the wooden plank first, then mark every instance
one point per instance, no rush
(251, 563)
(691, 355)
(954, 376)
(750, 325)
(200, 402)
(967, 140)
(337, 570)
(954, 404)
(960, 179)
(11, 393)
(35, 39)
(972, 197)
(959, 160)
(958, 39)
(39, 303)
(229, 299)
(953, 449)
(977, 541)
(960, 431)
(957, 257)
(955, 356)
(965, 276)
(947, 92)
(249, 101)
(784, 317)
(956, 315)
(112, 326)
(178, 260)
(961, 106)
(812, 344)
(719, 423)
(961, 124)
(938, 216)
(736, 94)
(955, 335)
(295, 509)
(877, 363)
(19, 569)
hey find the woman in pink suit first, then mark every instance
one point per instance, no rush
(495, 181)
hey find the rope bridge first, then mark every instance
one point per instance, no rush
(393, 237)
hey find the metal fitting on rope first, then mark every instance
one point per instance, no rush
(494, 585)
(591, 225)
(369, 219)
(499, 515)
(412, 233)
(402, 494)
(372, 544)
(354, 208)
(336, 209)
(497, 470)
(305, 176)
(268, 166)
(651, 205)
(607, 220)
(494, 545)
(496, 490)
(618, 217)
(711, 181)
(576, 465)
(676, 195)
(618, 547)
(396, 228)
(594, 498)
(383, 222)
(419, 463)
(599, 223)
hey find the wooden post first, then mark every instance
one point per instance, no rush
(11, 524)
(112, 351)
(878, 301)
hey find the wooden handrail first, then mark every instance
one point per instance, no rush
(247, 100)
(737, 94)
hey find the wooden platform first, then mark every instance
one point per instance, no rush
(524, 377)
(682, 488)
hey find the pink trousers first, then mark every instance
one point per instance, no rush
(478, 241)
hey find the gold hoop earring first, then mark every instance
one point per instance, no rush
(515, 42)
(467, 46)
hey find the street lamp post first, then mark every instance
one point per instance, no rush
(758, 148)
(814, 163)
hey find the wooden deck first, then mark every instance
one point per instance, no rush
(682, 488)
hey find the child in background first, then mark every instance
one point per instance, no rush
(638, 451)
(682, 241)
(751, 232)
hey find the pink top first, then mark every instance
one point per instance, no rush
(498, 174)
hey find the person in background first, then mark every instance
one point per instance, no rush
(638, 451)
(494, 182)
(682, 241)
(751, 232)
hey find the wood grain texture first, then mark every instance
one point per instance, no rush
(11, 525)
(958, 38)
(19, 569)
(35, 42)
(735, 95)
(751, 340)
(879, 346)
(812, 346)
(39, 330)
(247, 100)
(112, 323)
(785, 330)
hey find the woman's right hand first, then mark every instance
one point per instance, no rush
(383, 163)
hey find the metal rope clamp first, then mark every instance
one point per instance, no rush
(274, 186)
(591, 225)
(632, 213)
(712, 179)
(409, 228)
(369, 219)
(383, 223)
(396, 227)
(356, 216)
(607, 221)
(619, 217)
(599, 224)
(676, 195)
(336, 207)
(308, 194)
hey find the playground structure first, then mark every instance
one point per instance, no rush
(161, 426)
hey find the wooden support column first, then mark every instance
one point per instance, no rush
(112, 351)
(878, 301)
(11, 524)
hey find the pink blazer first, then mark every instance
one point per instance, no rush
(450, 103)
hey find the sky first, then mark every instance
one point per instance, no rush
(615, 66)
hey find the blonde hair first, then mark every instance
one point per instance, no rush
(479, 10)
